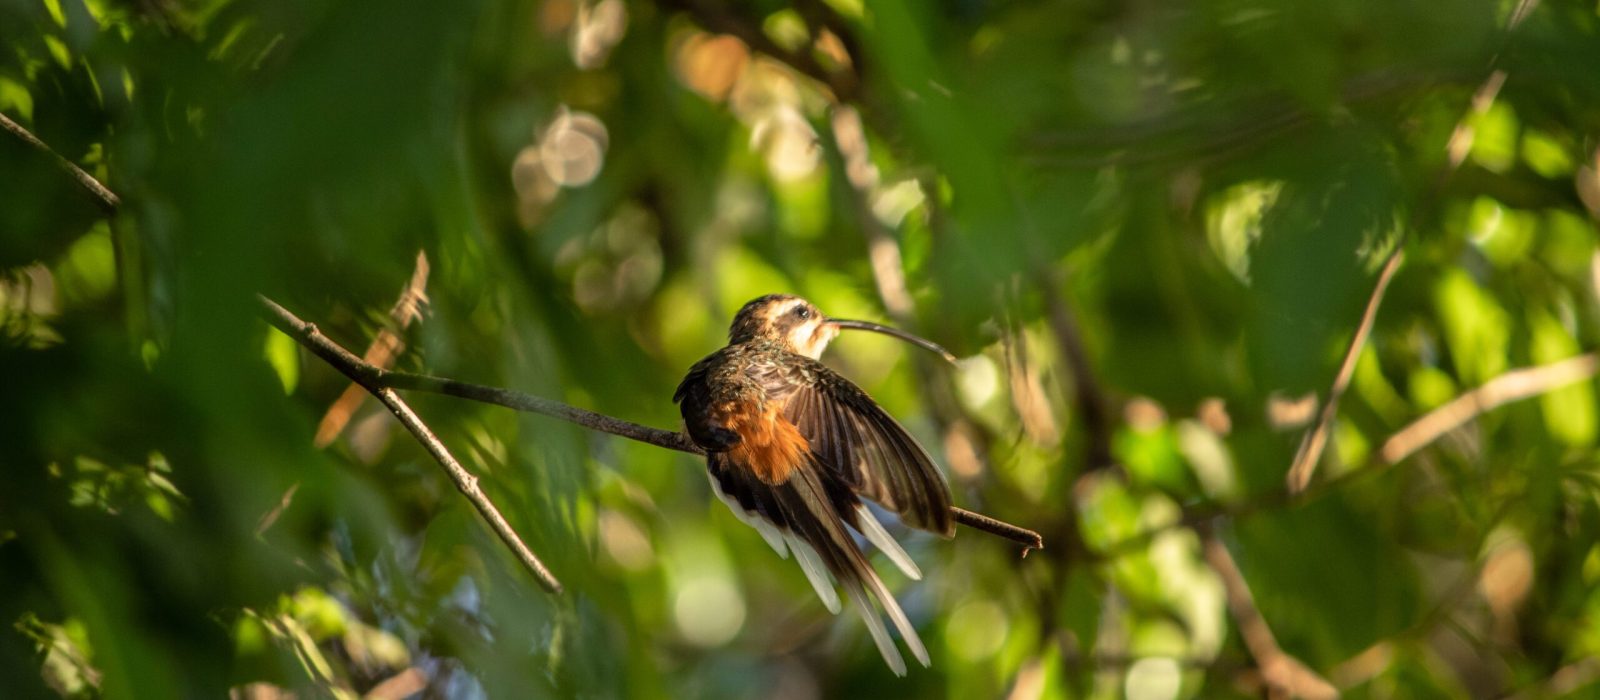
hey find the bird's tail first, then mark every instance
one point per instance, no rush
(811, 511)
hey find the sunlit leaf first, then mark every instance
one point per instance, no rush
(1233, 223)
(283, 354)
(14, 97)
(1495, 137)
(1545, 155)
(1569, 412)
(1503, 234)
(89, 270)
(1476, 327)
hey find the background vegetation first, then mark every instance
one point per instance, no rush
(1151, 229)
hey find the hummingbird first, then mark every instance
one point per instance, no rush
(796, 451)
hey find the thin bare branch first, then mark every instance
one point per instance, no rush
(1029, 539)
(103, 197)
(1285, 675)
(408, 683)
(383, 351)
(1456, 149)
(468, 485)
(668, 439)
(271, 517)
(1512, 386)
(369, 377)
(1315, 440)
(962, 437)
(528, 403)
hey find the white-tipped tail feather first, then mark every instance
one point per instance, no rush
(815, 572)
(886, 544)
(907, 632)
(843, 560)
(774, 538)
(880, 634)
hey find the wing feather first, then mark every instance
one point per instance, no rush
(869, 451)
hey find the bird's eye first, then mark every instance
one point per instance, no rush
(802, 313)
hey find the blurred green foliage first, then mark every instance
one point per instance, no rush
(1202, 192)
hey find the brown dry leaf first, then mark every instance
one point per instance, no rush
(385, 348)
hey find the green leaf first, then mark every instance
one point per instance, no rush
(14, 97)
(1477, 329)
(1494, 138)
(1569, 412)
(283, 355)
(1503, 234)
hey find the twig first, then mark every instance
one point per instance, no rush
(104, 198)
(1029, 539)
(1284, 674)
(1310, 451)
(468, 484)
(308, 335)
(528, 403)
(374, 378)
(883, 252)
(369, 378)
(385, 347)
(267, 520)
(1512, 386)
(668, 439)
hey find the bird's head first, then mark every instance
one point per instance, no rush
(800, 327)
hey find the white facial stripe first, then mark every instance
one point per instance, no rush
(789, 307)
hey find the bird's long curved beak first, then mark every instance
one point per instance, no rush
(923, 343)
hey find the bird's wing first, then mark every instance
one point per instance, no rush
(868, 450)
(809, 509)
(696, 400)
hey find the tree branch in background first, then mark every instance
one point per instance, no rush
(1456, 149)
(1285, 675)
(1315, 441)
(1515, 385)
(1093, 407)
(341, 359)
(369, 376)
(375, 378)
(104, 198)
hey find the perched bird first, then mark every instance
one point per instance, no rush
(793, 448)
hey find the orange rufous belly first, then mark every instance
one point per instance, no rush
(769, 445)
